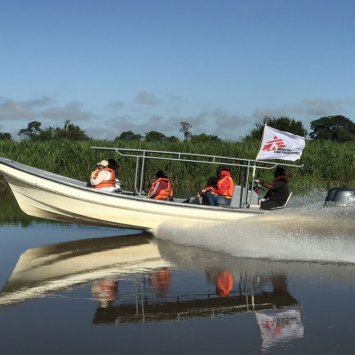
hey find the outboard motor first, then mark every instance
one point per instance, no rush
(340, 196)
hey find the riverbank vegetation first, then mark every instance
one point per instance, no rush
(328, 158)
(326, 163)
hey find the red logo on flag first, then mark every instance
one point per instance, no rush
(274, 144)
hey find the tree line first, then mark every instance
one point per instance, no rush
(333, 128)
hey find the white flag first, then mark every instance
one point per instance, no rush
(280, 145)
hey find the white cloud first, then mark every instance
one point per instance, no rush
(39, 102)
(145, 98)
(315, 108)
(15, 110)
(71, 111)
(229, 126)
(148, 113)
(115, 106)
(175, 103)
(128, 123)
(259, 114)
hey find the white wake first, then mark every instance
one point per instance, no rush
(305, 230)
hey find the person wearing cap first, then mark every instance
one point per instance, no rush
(104, 177)
(278, 190)
(222, 194)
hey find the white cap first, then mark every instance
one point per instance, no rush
(103, 163)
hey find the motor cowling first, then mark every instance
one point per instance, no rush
(342, 196)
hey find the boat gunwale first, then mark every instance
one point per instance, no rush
(43, 174)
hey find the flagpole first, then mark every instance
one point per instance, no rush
(254, 167)
(256, 158)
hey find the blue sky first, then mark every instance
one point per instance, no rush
(111, 66)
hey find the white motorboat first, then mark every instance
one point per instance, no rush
(47, 195)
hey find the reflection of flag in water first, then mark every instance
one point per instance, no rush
(279, 326)
(280, 145)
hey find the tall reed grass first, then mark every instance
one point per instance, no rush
(326, 164)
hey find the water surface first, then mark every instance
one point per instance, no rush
(283, 283)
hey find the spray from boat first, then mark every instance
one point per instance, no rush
(307, 230)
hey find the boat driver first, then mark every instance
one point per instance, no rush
(278, 190)
(104, 177)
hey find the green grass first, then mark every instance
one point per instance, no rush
(326, 164)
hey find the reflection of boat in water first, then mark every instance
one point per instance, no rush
(43, 270)
(143, 307)
(40, 271)
(62, 266)
(137, 279)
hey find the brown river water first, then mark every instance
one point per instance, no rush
(279, 283)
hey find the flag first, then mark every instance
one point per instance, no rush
(280, 145)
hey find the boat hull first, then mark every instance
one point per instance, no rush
(51, 196)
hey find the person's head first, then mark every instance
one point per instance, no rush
(103, 164)
(279, 171)
(160, 174)
(112, 164)
(212, 181)
(222, 171)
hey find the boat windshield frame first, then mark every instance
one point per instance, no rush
(142, 154)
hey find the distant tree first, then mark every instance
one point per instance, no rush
(185, 126)
(336, 128)
(154, 136)
(282, 123)
(172, 139)
(5, 136)
(69, 131)
(129, 136)
(45, 134)
(32, 129)
(204, 138)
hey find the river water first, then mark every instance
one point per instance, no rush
(280, 283)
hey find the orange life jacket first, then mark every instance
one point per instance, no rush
(224, 283)
(207, 188)
(161, 281)
(163, 194)
(280, 177)
(106, 183)
(228, 192)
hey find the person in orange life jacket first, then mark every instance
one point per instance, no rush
(114, 166)
(224, 283)
(104, 177)
(222, 194)
(223, 280)
(278, 190)
(105, 292)
(160, 280)
(160, 189)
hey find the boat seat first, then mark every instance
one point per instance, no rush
(288, 199)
